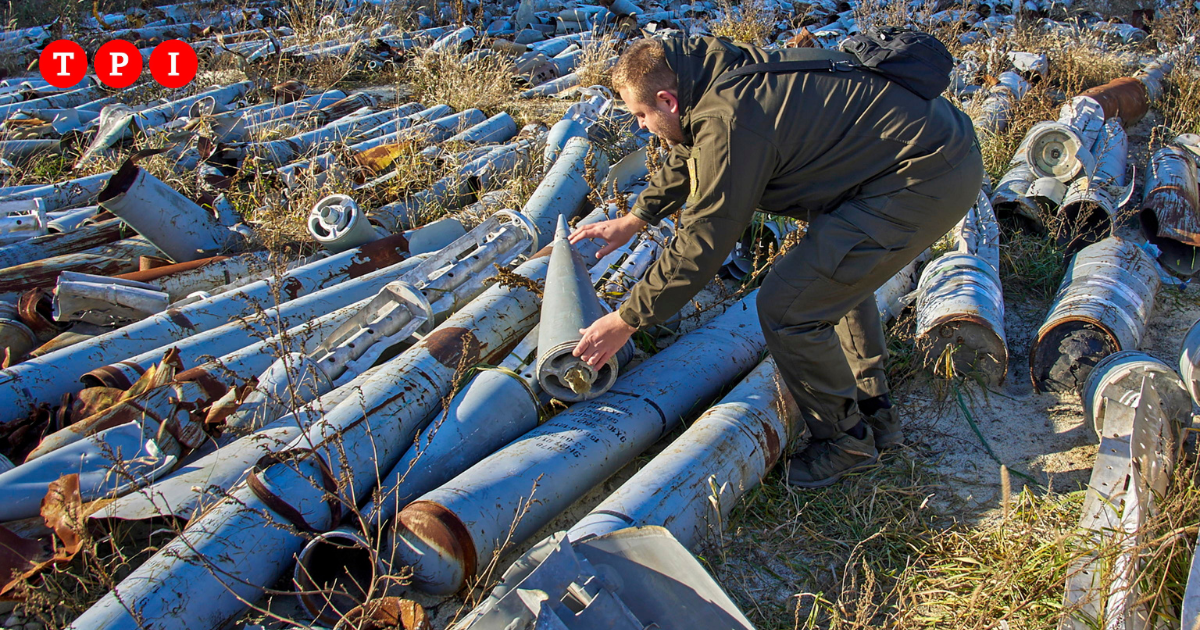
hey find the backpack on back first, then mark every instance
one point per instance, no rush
(916, 61)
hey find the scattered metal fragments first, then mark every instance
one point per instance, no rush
(262, 398)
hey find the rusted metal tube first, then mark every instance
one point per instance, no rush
(722, 455)
(569, 305)
(960, 303)
(1009, 198)
(181, 229)
(1124, 98)
(1088, 212)
(1170, 210)
(47, 378)
(353, 442)
(1102, 306)
(449, 532)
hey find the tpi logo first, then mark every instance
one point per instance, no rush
(118, 63)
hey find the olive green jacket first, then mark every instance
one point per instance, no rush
(787, 143)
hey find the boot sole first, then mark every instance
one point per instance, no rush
(829, 481)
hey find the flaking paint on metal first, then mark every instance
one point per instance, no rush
(376, 255)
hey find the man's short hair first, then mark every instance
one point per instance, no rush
(643, 70)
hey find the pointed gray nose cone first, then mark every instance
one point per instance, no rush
(569, 304)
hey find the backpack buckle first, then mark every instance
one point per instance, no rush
(843, 66)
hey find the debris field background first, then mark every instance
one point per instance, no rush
(933, 536)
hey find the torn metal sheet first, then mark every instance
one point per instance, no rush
(1010, 198)
(634, 578)
(1137, 405)
(105, 301)
(1170, 209)
(1089, 210)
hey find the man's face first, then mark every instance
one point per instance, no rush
(660, 117)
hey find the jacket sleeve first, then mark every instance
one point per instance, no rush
(732, 167)
(668, 188)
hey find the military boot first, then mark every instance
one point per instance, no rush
(826, 461)
(886, 425)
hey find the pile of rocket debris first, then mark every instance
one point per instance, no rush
(375, 402)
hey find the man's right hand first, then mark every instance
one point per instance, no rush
(614, 232)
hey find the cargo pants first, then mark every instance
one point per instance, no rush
(817, 304)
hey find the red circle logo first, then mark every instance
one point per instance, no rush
(173, 63)
(118, 64)
(63, 63)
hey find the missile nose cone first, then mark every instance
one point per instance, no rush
(561, 232)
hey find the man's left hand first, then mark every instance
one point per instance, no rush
(603, 339)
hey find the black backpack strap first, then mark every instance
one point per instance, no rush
(807, 65)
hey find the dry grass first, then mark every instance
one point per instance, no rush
(443, 78)
(593, 67)
(869, 552)
(750, 21)
(1181, 98)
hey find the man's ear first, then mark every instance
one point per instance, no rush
(668, 100)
